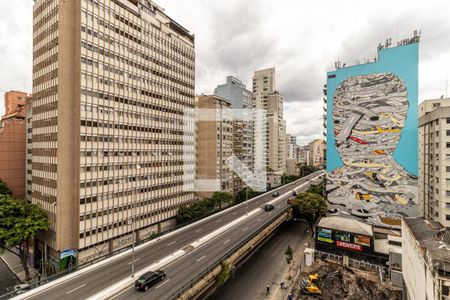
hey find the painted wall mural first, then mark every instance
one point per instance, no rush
(367, 117)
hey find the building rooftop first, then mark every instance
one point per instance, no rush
(346, 224)
(434, 240)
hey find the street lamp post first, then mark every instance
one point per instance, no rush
(133, 226)
(246, 201)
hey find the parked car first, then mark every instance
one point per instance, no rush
(149, 279)
(289, 201)
(275, 194)
(294, 193)
(268, 207)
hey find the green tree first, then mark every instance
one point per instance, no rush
(316, 189)
(224, 272)
(305, 170)
(4, 189)
(20, 222)
(221, 198)
(289, 253)
(244, 194)
(309, 206)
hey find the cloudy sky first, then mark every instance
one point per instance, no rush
(301, 39)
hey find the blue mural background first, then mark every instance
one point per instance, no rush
(402, 61)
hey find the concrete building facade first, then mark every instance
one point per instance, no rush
(434, 160)
(425, 259)
(214, 145)
(13, 142)
(312, 154)
(113, 80)
(243, 132)
(274, 130)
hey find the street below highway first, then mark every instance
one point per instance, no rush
(266, 267)
(87, 284)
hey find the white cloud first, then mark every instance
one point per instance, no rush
(302, 39)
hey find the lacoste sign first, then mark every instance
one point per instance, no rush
(350, 246)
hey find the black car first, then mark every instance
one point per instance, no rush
(268, 207)
(294, 193)
(275, 194)
(149, 279)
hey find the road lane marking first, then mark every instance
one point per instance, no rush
(69, 292)
(170, 244)
(245, 229)
(219, 220)
(137, 259)
(103, 264)
(226, 241)
(198, 230)
(162, 284)
(201, 258)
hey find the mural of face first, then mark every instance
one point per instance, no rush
(369, 113)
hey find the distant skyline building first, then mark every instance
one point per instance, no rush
(274, 130)
(290, 144)
(113, 81)
(13, 142)
(214, 145)
(434, 160)
(372, 135)
(241, 100)
(312, 153)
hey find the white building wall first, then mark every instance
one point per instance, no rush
(413, 267)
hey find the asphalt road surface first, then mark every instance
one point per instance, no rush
(7, 278)
(266, 266)
(94, 281)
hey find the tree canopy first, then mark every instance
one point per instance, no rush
(20, 222)
(4, 189)
(309, 206)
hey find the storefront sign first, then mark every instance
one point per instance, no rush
(350, 246)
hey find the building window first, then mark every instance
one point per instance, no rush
(448, 121)
(436, 104)
(447, 193)
(447, 217)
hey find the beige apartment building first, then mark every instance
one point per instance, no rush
(312, 154)
(214, 144)
(434, 160)
(273, 131)
(241, 101)
(112, 82)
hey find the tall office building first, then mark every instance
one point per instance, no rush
(113, 80)
(241, 100)
(273, 131)
(214, 145)
(434, 160)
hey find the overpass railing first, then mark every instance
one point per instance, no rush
(224, 257)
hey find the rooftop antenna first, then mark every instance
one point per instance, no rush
(397, 35)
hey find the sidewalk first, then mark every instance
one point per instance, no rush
(13, 263)
(290, 272)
